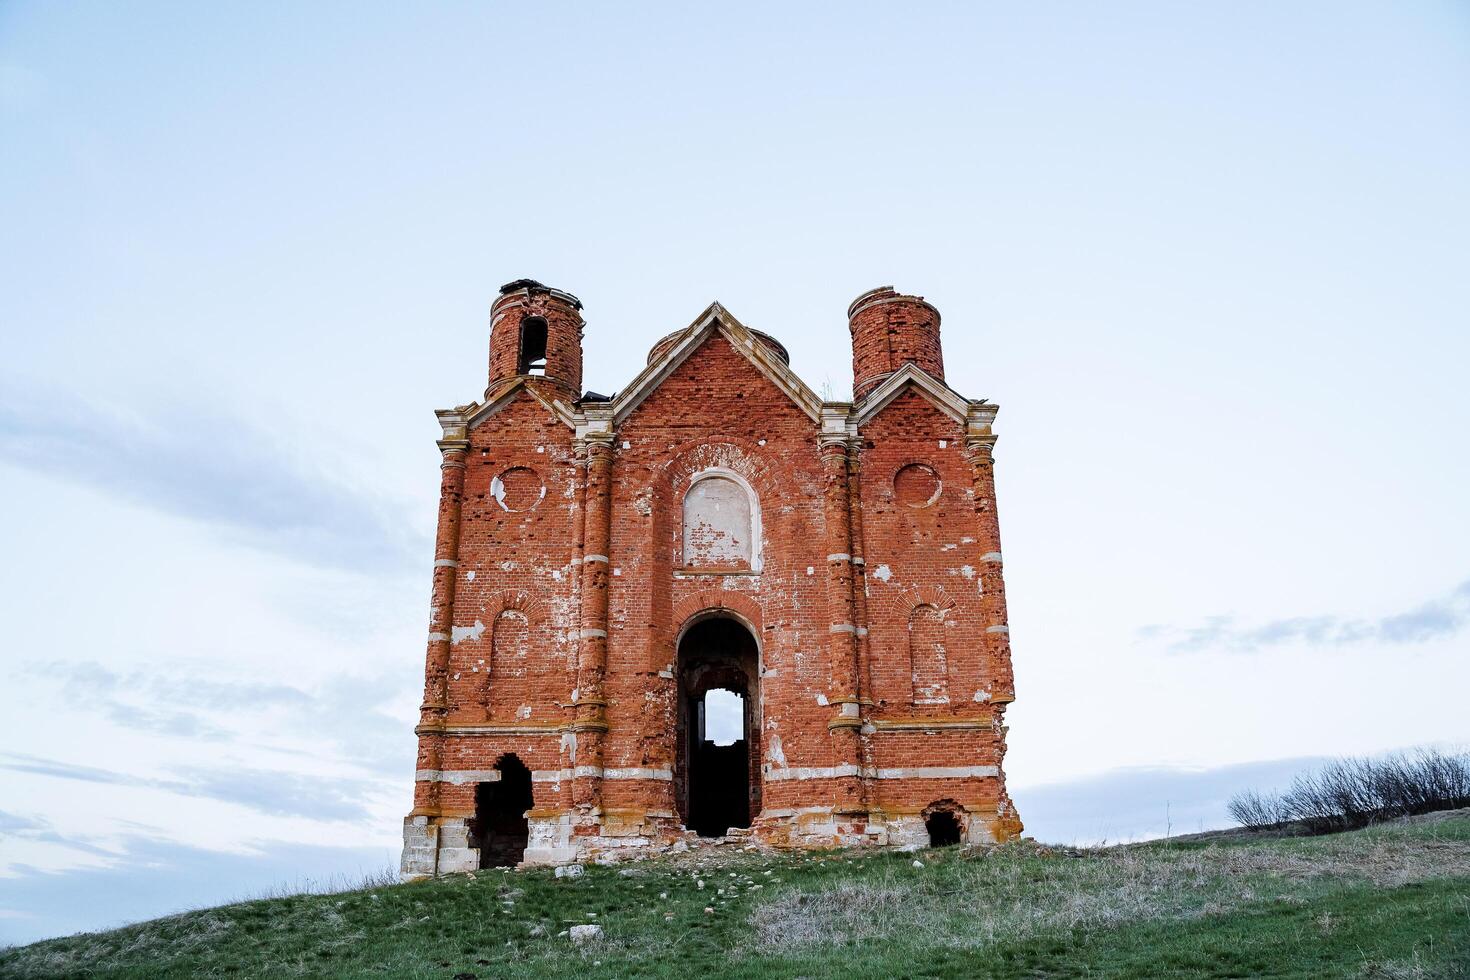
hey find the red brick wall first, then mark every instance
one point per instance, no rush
(925, 551)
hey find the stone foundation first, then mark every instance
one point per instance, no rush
(441, 846)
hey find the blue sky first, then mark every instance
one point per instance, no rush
(1209, 259)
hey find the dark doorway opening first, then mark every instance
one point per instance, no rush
(717, 763)
(943, 827)
(500, 829)
(533, 346)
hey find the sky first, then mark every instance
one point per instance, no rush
(1209, 259)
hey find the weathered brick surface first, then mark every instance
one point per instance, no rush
(864, 560)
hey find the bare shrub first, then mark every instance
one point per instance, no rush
(1355, 792)
(1256, 810)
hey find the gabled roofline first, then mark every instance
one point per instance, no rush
(973, 414)
(467, 417)
(716, 318)
(836, 419)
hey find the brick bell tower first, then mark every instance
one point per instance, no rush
(605, 566)
(536, 332)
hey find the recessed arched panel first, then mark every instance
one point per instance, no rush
(508, 684)
(927, 656)
(721, 518)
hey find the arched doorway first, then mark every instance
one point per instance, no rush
(500, 829)
(944, 820)
(717, 755)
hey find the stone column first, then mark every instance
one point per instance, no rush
(860, 611)
(979, 448)
(423, 836)
(843, 691)
(590, 724)
(453, 448)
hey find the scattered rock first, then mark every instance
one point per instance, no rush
(537, 931)
(582, 935)
(918, 864)
(570, 871)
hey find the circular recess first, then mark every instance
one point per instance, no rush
(916, 485)
(518, 488)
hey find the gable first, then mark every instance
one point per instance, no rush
(717, 320)
(715, 386)
(910, 415)
(516, 390)
(911, 377)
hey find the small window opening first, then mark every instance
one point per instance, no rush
(724, 717)
(533, 346)
(943, 827)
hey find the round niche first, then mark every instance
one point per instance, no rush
(916, 485)
(518, 488)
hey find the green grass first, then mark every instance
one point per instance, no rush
(1386, 902)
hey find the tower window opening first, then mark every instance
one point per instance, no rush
(533, 346)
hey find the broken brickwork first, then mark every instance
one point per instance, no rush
(603, 564)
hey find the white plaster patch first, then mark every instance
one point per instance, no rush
(982, 696)
(967, 571)
(883, 573)
(469, 576)
(943, 443)
(524, 711)
(822, 699)
(967, 540)
(810, 570)
(555, 575)
(777, 754)
(508, 566)
(467, 632)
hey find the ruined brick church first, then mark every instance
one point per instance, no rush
(603, 564)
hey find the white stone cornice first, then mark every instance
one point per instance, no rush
(476, 412)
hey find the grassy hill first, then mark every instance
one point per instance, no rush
(1392, 901)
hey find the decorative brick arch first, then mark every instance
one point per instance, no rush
(513, 601)
(733, 455)
(909, 598)
(714, 601)
(690, 457)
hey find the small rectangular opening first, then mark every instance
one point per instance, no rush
(533, 346)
